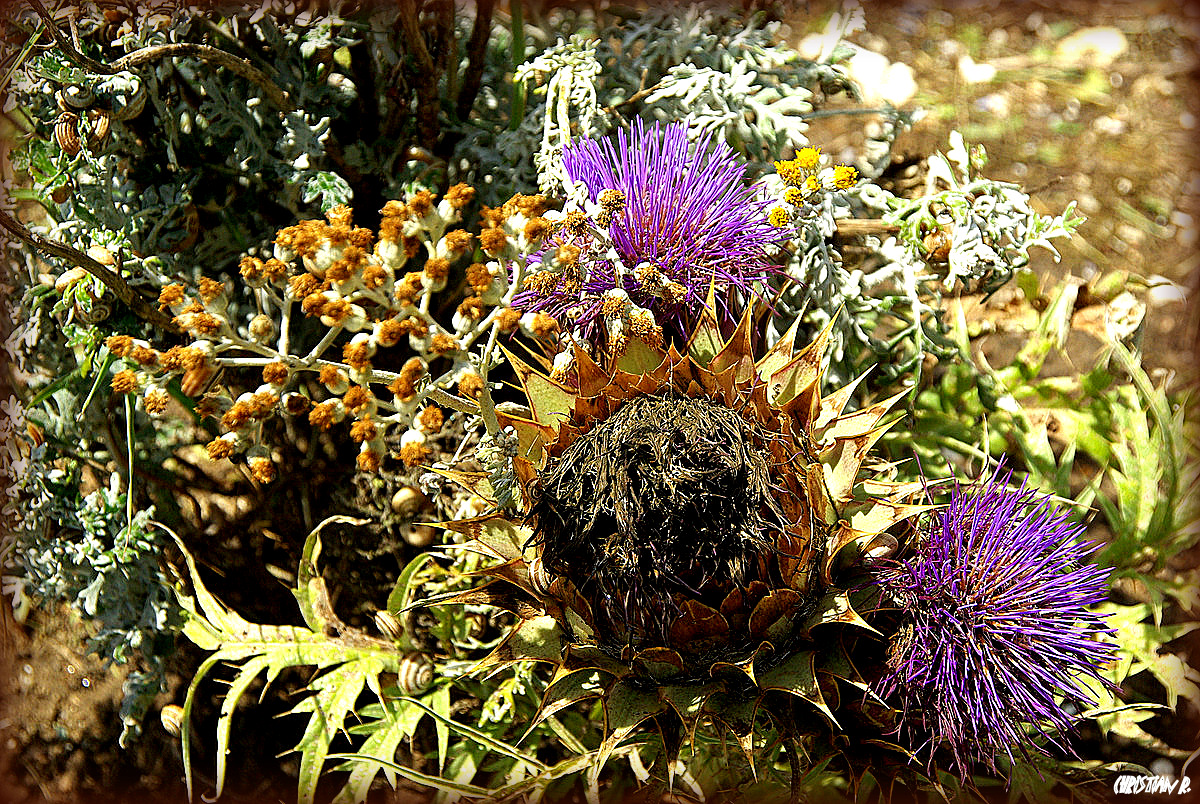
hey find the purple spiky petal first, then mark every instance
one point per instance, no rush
(689, 212)
(994, 604)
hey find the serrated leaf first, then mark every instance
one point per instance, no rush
(336, 692)
(310, 591)
(639, 358)
(245, 677)
(475, 735)
(373, 763)
(550, 402)
(398, 597)
(439, 702)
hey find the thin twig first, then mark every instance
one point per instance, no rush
(849, 227)
(241, 67)
(476, 51)
(141, 307)
(426, 68)
(73, 55)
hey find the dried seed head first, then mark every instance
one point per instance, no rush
(368, 459)
(663, 496)
(262, 469)
(156, 401)
(220, 448)
(125, 382)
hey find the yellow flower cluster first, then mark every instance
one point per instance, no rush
(804, 179)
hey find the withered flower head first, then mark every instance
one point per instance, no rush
(686, 523)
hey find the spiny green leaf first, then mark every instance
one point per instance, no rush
(835, 607)
(704, 343)
(639, 358)
(568, 689)
(797, 675)
(336, 693)
(625, 708)
(550, 402)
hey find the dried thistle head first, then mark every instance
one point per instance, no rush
(688, 521)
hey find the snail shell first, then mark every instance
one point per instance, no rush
(101, 309)
(172, 719)
(420, 535)
(102, 255)
(539, 576)
(68, 278)
(129, 107)
(937, 245)
(389, 625)
(66, 133)
(884, 545)
(415, 674)
(101, 124)
(195, 379)
(74, 96)
(407, 501)
(295, 404)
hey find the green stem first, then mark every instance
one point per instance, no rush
(518, 58)
(129, 467)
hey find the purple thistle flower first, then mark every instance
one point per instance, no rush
(995, 632)
(688, 213)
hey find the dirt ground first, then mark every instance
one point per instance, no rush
(1113, 128)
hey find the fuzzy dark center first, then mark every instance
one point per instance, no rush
(669, 496)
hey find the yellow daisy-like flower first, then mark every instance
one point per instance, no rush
(779, 217)
(794, 196)
(790, 171)
(811, 185)
(808, 158)
(844, 177)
